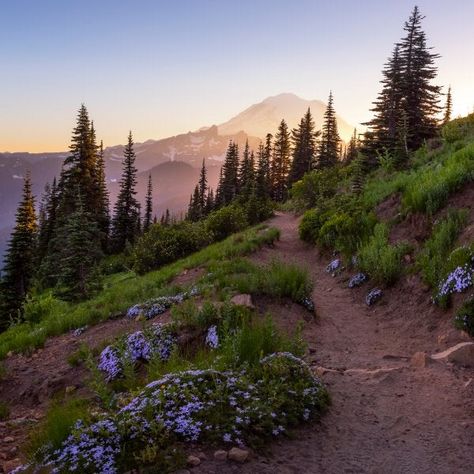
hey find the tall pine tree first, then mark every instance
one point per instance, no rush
(102, 207)
(229, 184)
(148, 205)
(20, 258)
(202, 186)
(247, 173)
(328, 153)
(304, 148)
(281, 162)
(448, 107)
(126, 220)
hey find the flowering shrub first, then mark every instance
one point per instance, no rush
(156, 306)
(373, 296)
(464, 319)
(212, 339)
(333, 266)
(457, 281)
(140, 345)
(197, 405)
(357, 280)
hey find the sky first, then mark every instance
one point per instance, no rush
(161, 67)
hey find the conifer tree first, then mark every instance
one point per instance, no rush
(126, 220)
(78, 275)
(202, 186)
(229, 185)
(148, 205)
(247, 172)
(352, 148)
(281, 162)
(47, 220)
(448, 107)
(328, 152)
(20, 258)
(358, 171)
(103, 203)
(218, 201)
(304, 148)
(209, 202)
(263, 183)
(194, 209)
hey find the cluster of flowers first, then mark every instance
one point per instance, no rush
(308, 304)
(459, 280)
(212, 338)
(156, 306)
(141, 345)
(334, 266)
(357, 280)
(198, 405)
(373, 296)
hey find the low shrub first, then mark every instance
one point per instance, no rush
(464, 319)
(166, 244)
(432, 258)
(380, 260)
(38, 307)
(226, 221)
(314, 187)
(458, 129)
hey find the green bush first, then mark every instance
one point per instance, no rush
(315, 186)
(258, 210)
(464, 319)
(432, 258)
(226, 221)
(311, 224)
(379, 259)
(432, 187)
(166, 244)
(458, 129)
(38, 307)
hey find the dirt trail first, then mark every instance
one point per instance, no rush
(387, 417)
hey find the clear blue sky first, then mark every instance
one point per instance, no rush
(166, 67)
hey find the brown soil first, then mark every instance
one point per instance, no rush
(386, 416)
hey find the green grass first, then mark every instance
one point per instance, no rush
(124, 290)
(380, 260)
(432, 259)
(4, 411)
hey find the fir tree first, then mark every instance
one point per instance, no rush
(202, 187)
(352, 148)
(20, 258)
(448, 107)
(103, 203)
(229, 184)
(209, 202)
(304, 148)
(281, 162)
(328, 152)
(148, 205)
(358, 171)
(78, 276)
(247, 172)
(218, 201)
(125, 224)
(194, 209)
(263, 182)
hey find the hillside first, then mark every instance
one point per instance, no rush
(399, 372)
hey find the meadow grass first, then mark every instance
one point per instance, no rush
(124, 290)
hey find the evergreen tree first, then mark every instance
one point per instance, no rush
(281, 162)
(20, 258)
(78, 276)
(304, 148)
(202, 186)
(328, 152)
(103, 203)
(229, 185)
(358, 171)
(247, 172)
(218, 201)
(194, 209)
(126, 220)
(448, 107)
(263, 182)
(421, 96)
(47, 220)
(352, 149)
(148, 205)
(209, 202)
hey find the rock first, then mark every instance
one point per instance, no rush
(243, 300)
(9, 353)
(419, 360)
(8, 439)
(220, 455)
(193, 460)
(70, 388)
(238, 455)
(460, 354)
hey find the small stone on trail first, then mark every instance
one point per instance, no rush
(419, 360)
(193, 460)
(242, 300)
(238, 455)
(220, 455)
